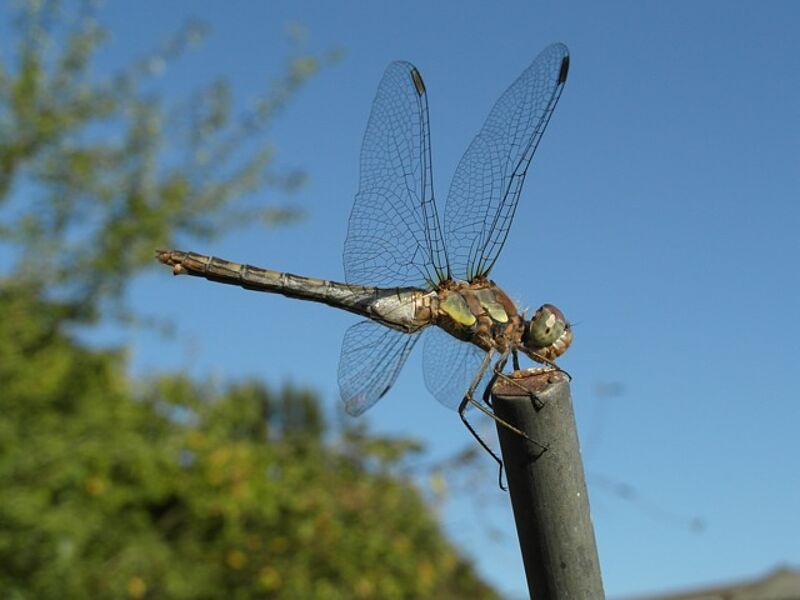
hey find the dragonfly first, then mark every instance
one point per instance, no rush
(411, 274)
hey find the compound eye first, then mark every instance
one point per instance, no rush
(545, 327)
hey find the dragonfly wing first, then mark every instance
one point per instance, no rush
(450, 365)
(486, 186)
(394, 238)
(371, 359)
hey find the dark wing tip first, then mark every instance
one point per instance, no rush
(417, 79)
(562, 74)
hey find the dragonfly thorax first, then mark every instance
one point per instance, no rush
(479, 312)
(482, 314)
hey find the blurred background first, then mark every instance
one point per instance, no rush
(173, 438)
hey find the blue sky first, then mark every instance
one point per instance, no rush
(660, 213)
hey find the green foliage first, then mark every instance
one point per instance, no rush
(107, 170)
(111, 488)
(182, 491)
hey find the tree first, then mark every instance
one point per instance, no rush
(181, 491)
(169, 488)
(101, 170)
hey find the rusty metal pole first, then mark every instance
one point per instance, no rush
(548, 487)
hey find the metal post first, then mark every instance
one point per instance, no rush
(547, 487)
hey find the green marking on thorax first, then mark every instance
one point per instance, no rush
(492, 306)
(456, 308)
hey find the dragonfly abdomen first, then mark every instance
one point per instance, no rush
(398, 308)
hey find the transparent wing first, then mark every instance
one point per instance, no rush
(486, 186)
(449, 366)
(394, 237)
(371, 359)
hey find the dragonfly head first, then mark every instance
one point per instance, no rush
(548, 333)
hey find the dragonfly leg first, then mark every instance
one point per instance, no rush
(487, 399)
(547, 361)
(537, 403)
(462, 407)
(468, 399)
(498, 374)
